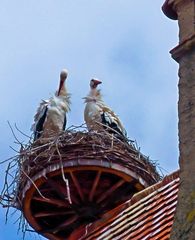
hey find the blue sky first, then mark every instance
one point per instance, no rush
(124, 43)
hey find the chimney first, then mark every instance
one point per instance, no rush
(184, 54)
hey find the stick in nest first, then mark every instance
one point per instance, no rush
(63, 176)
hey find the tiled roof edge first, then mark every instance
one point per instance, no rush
(140, 195)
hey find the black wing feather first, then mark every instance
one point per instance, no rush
(106, 121)
(65, 121)
(39, 125)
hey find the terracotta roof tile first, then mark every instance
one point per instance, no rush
(148, 215)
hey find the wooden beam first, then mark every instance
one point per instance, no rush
(126, 192)
(57, 188)
(68, 222)
(52, 201)
(53, 213)
(78, 187)
(95, 183)
(110, 190)
(61, 190)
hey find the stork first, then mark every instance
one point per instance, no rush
(50, 118)
(99, 116)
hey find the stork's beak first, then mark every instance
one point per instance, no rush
(97, 82)
(61, 85)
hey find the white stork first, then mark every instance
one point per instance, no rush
(97, 115)
(50, 118)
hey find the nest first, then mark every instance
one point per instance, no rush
(46, 155)
(37, 156)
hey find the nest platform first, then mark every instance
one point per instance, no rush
(74, 178)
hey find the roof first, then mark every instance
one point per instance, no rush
(168, 10)
(147, 215)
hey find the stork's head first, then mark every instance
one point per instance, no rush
(94, 83)
(63, 76)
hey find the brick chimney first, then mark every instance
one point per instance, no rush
(184, 54)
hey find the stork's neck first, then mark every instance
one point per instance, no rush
(63, 91)
(93, 96)
(61, 102)
(64, 95)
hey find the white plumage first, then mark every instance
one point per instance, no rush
(97, 115)
(50, 118)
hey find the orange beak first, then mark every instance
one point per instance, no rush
(96, 82)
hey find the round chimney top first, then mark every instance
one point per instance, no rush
(169, 10)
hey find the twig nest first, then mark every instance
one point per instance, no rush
(85, 149)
